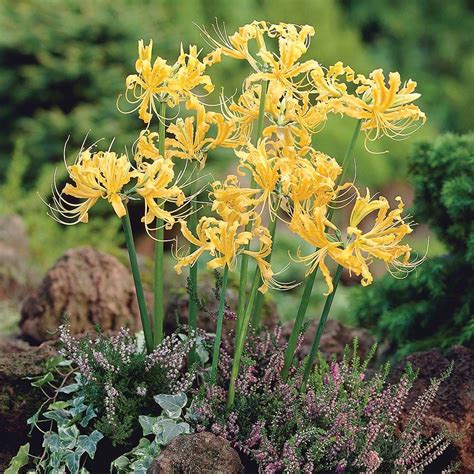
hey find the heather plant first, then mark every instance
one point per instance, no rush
(346, 419)
(108, 387)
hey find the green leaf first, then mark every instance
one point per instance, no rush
(167, 430)
(90, 413)
(88, 444)
(59, 405)
(121, 464)
(68, 436)
(53, 362)
(72, 461)
(52, 442)
(74, 387)
(172, 404)
(20, 460)
(61, 417)
(48, 377)
(147, 423)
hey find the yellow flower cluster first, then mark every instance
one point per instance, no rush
(270, 126)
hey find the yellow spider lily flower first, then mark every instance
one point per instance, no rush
(95, 176)
(383, 239)
(285, 68)
(148, 83)
(236, 46)
(153, 184)
(384, 109)
(233, 203)
(263, 168)
(161, 82)
(312, 179)
(387, 110)
(189, 137)
(189, 74)
(312, 226)
(146, 148)
(225, 242)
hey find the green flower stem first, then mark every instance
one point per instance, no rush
(257, 309)
(193, 275)
(245, 258)
(322, 323)
(295, 332)
(158, 307)
(127, 230)
(300, 315)
(239, 343)
(220, 321)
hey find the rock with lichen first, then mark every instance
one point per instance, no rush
(89, 288)
(18, 399)
(198, 453)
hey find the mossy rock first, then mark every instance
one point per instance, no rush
(18, 399)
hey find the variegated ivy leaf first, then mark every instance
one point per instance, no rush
(172, 404)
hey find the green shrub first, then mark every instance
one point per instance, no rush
(434, 306)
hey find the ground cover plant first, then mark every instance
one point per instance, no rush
(279, 179)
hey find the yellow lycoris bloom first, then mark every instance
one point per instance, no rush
(146, 147)
(383, 239)
(387, 110)
(153, 184)
(285, 68)
(160, 82)
(312, 180)
(233, 203)
(384, 109)
(236, 46)
(263, 168)
(95, 176)
(224, 241)
(149, 83)
(312, 226)
(192, 139)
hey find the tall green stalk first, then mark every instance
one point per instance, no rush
(193, 275)
(322, 323)
(158, 307)
(239, 342)
(257, 309)
(245, 259)
(127, 230)
(300, 315)
(220, 321)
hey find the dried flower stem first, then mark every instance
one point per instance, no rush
(127, 229)
(220, 320)
(290, 351)
(158, 307)
(319, 331)
(245, 259)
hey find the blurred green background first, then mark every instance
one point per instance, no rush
(64, 63)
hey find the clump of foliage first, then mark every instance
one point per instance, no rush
(431, 308)
(109, 388)
(341, 421)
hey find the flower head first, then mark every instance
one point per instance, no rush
(153, 185)
(160, 82)
(100, 175)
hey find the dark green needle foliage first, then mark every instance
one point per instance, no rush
(434, 306)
